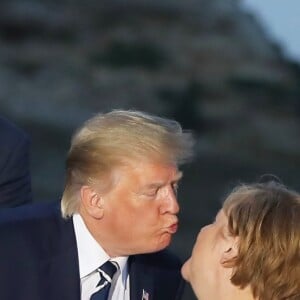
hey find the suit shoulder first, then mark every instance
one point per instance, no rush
(34, 229)
(11, 132)
(27, 213)
(29, 220)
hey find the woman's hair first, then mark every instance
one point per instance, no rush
(266, 219)
(109, 140)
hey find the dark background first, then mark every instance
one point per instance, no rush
(208, 64)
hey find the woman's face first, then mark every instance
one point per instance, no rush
(203, 268)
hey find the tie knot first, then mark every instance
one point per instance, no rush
(109, 268)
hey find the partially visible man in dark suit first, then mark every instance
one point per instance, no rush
(117, 215)
(15, 182)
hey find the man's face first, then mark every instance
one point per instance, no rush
(202, 269)
(140, 210)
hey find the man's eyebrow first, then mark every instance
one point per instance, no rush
(178, 176)
(153, 185)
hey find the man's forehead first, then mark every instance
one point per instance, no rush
(156, 172)
(151, 165)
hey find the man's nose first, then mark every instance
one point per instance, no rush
(170, 203)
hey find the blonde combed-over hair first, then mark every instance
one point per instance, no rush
(266, 219)
(109, 140)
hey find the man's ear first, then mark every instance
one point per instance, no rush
(231, 250)
(91, 202)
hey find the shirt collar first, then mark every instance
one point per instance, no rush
(122, 263)
(90, 254)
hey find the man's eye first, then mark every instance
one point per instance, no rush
(151, 193)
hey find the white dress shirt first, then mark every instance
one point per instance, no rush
(91, 256)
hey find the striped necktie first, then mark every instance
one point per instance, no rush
(106, 272)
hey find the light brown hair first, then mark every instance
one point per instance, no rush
(266, 219)
(109, 140)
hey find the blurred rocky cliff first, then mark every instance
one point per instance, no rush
(207, 63)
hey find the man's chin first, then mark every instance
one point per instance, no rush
(164, 242)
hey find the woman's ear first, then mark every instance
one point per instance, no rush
(91, 202)
(230, 251)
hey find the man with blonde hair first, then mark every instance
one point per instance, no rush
(118, 213)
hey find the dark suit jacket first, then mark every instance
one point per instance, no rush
(39, 260)
(15, 184)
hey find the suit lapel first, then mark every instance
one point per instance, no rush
(141, 279)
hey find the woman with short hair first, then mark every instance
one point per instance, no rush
(252, 250)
